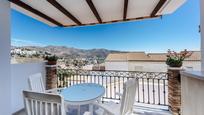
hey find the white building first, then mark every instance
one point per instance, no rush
(153, 62)
(23, 52)
(88, 67)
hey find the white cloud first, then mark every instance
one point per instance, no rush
(20, 42)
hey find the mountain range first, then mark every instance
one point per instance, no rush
(70, 52)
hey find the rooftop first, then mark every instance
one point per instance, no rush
(142, 56)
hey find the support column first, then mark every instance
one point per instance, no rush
(174, 90)
(202, 32)
(51, 76)
(5, 77)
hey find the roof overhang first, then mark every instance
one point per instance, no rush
(67, 13)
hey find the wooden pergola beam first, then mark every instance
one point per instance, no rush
(64, 11)
(125, 9)
(158, 7)
(36, 12)
(93, 9)
(115, 21)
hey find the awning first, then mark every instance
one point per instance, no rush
(67, 13)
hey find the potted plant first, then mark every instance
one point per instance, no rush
(175, 59)
(51, 59)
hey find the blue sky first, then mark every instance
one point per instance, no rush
(177, 31)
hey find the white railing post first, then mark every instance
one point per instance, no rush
(202, 31)
(5, 77)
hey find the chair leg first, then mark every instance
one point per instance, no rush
(91, 109)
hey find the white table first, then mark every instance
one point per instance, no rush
(82, 94)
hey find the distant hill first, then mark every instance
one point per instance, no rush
(70, 52)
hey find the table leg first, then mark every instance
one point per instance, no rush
(91, 109)
(79, 110)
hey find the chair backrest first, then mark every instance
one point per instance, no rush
(37, 103)
(128, 98)
(36, 83)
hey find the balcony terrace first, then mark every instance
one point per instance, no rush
(157, 92)
(151, 97)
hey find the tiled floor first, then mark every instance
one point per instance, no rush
(145, 109)
(139, 109)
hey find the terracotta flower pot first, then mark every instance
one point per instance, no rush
(176, 64)
(51, 62)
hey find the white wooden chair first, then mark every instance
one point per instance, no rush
(36, 84)
(125, 107)
(37, 103)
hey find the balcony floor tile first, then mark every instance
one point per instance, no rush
(139, 109)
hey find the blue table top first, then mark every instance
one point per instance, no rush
(83, 92)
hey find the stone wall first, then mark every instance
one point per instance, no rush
(174, 90)
(51, 76)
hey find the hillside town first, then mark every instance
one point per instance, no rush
(121, 61)
(29, 55)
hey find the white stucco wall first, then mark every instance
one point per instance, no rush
(19, 81)
(196, 65)
(122, 66)
(202, 30)
(192, 94)
(147, 66)
(5, 80)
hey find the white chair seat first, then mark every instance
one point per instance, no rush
(111, 107)
(87, 113)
